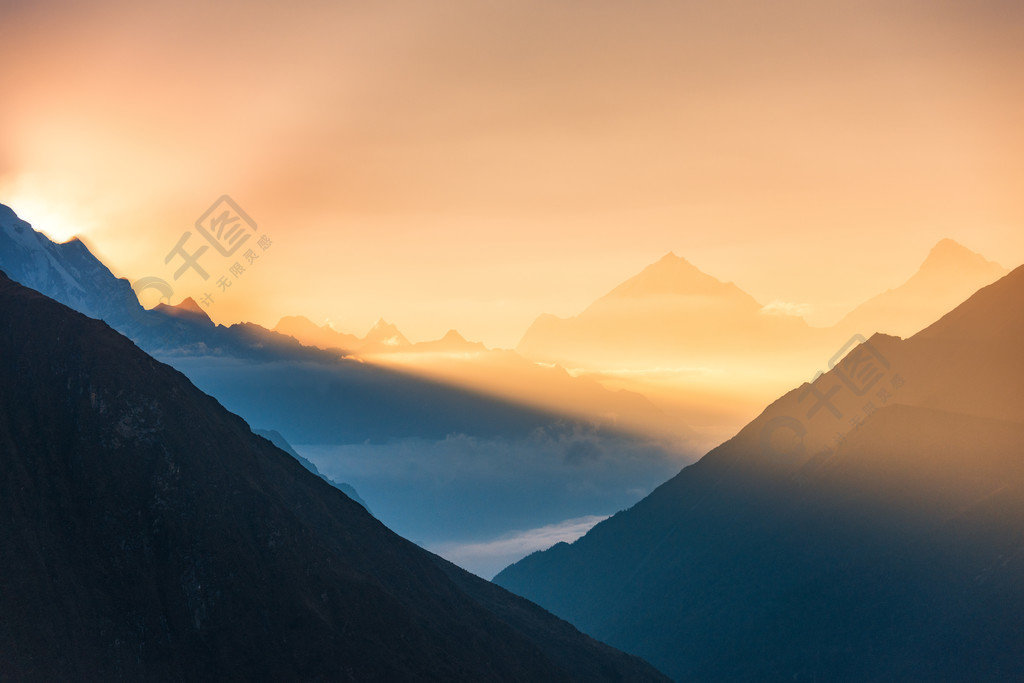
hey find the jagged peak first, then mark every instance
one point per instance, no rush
(186, 309)
(189, 304)
(385, 333)
(383, 325)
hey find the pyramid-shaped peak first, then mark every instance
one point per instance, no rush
(189, 304)
(948, 253)
(187, 309)
(670, 260)
(385, 333)
(671, 275)
(383, 325)
(677, 268)
(453, 335)
(949, 245)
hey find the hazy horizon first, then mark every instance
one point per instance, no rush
(470, 167)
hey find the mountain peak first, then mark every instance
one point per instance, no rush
(671, 261)
(188, 309)
(672, 275)
(189, 304)
(385, 333)
(950, 273)
(67, 272)
(16, 229)
(382, 326)
(948, 253)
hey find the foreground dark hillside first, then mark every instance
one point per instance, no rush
(867, 526)
(148, 534)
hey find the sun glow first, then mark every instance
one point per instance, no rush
(58, 220)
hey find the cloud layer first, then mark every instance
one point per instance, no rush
(487, 558)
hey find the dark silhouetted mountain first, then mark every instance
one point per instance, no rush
(866, 526)
(949, 275)
(148, 534)
(278, 440)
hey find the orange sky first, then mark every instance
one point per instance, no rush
(473, 164)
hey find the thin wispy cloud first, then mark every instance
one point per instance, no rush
(492, 556)
(780, 307)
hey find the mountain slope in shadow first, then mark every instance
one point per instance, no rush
(866, 526)
(272, 380)
(148, 534)
(504, 375)
(278, 440)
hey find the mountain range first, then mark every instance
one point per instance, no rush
(148, 534)
(382, 338)
(502, 374)
(713, 351)
(312, 395)
(866, 526)
(708, 353)
(426, 451)
(704, 352)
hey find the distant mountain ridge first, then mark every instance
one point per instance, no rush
(383, 338)
(502, 374)
(307, 332)
(949, 275)
(270, 378)
(673, 314)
